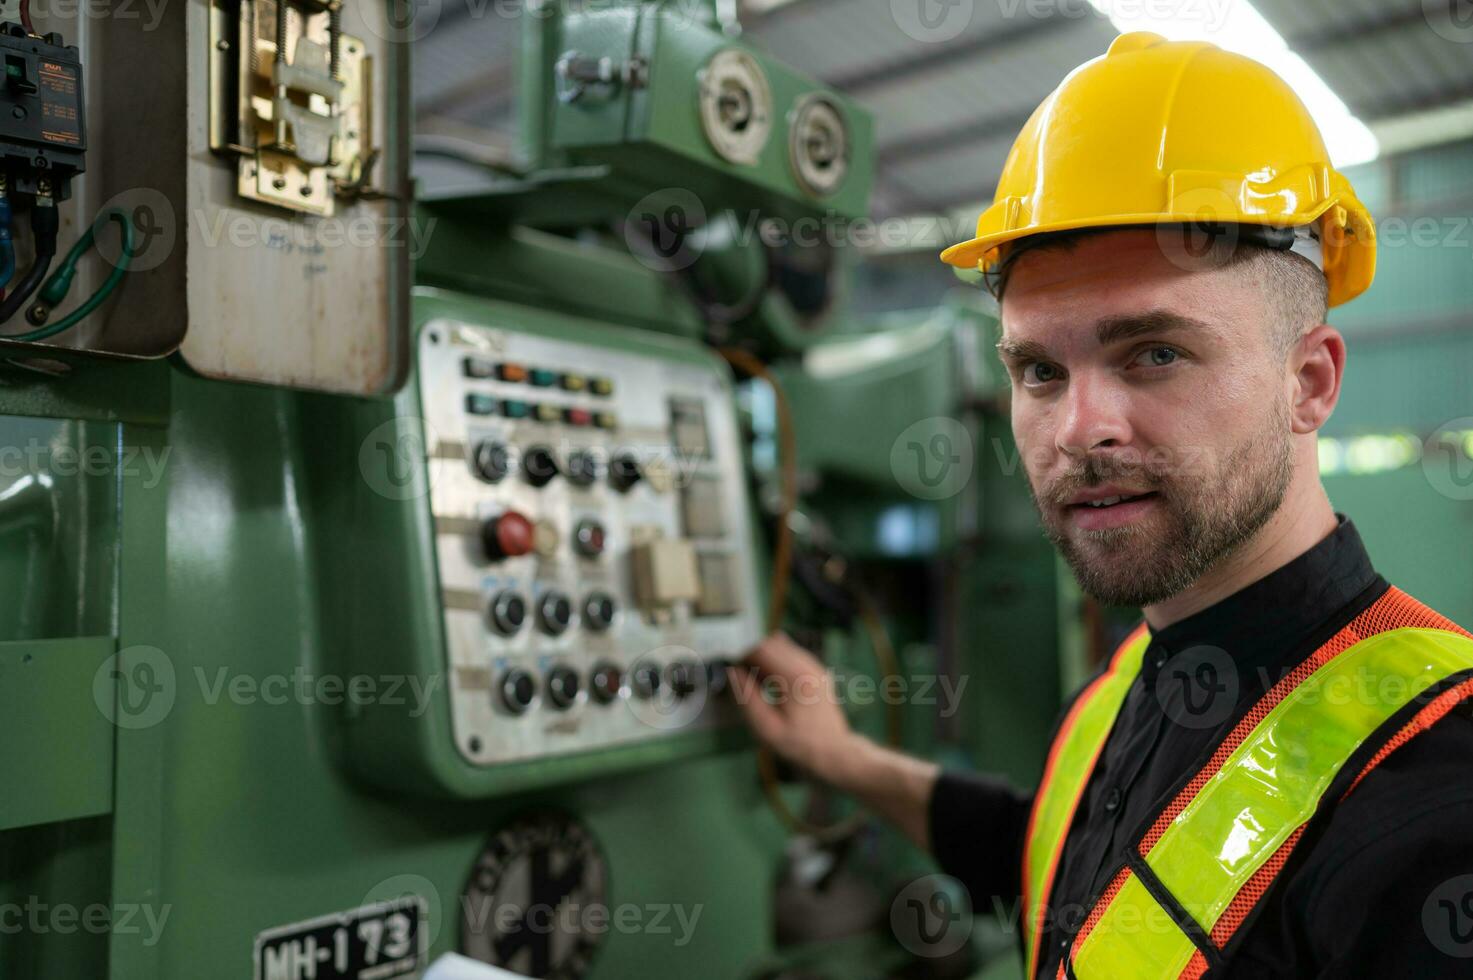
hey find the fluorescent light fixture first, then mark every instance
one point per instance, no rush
(1234, 25)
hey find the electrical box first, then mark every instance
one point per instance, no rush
(258, 152)
(565, 607)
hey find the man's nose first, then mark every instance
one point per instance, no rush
(1093, 414)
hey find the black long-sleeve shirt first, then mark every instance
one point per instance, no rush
(1377, 891)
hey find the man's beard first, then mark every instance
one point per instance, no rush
(1201, 518)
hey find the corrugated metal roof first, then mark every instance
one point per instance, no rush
(949, 91)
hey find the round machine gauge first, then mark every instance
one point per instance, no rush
(818, 145)
(736, 106)
(537, 899)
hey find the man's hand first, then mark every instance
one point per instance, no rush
(805, 724)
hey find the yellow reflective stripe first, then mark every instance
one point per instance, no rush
(1272, 784)
(1069, 767)
(1267, 788)
(1135, 938)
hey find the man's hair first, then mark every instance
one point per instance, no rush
(1299, 292)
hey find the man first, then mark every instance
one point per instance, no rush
(1305, 810)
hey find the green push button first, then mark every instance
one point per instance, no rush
(480, 404)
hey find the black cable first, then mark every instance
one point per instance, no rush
(45, 222)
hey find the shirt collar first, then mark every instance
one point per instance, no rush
(1262, 624)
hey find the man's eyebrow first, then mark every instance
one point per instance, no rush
(1021, 350)
(1108, 331)
(1113, 329)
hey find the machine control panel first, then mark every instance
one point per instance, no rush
(592, 540)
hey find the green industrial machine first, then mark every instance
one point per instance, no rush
(349, 626)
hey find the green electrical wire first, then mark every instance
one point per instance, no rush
(55, 288)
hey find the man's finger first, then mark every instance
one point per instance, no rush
(778, 654)
(765, 719)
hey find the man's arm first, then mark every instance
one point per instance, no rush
(805, 724)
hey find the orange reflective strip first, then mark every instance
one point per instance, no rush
(1393, 610)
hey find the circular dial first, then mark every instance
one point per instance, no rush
(624, 472)
(606, 681)
(717, 679)
(540, 465)
(589, 538)
(491, 461)
(555, 612)
(645, 681)
(582, 468)
(736, 106)
(508, 612)
(682, 676)
(518, 690)
(525, 904)
(598, 611)
(818, 145)
(562, 687)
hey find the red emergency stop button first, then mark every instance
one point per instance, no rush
(508, 535)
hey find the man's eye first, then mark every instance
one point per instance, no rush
(1157, 356)
(1039, 373)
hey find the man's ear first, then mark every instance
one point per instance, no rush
(1317, 363)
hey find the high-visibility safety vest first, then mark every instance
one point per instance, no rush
(1196, 874)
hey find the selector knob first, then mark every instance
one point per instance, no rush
(598, 611)
(645, 681)
(507, 535)
(540, 465)
(508, 612)
(491, 461)
(606, 681)
(582, 469)
(717, 680)
(623, 472)
(518, 690)
(682, 676)
(588, 538)
(555, 613)
(562, 687)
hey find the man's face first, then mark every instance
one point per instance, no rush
(1135, 378)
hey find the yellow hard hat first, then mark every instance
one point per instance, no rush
(1175, 132)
